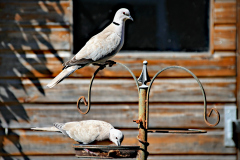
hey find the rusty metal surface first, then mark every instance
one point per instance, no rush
(105, 151)
(142, 136)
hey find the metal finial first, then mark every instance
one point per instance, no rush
(144, 77)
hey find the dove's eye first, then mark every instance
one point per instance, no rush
(116, 138)
(123, 12)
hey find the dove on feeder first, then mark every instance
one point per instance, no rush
(87, 132)
(99, 48)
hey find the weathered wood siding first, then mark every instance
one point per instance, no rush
(36, 38)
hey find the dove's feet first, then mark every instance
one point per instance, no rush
(92, 153)
(110, 63)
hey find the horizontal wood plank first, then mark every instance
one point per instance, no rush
(224, 12)
(36, 12)
(49, 64)
(40, 143)
(35, 38)
(47, 157)
(118, 90)
(224, 37)
(150, 157)
(119, 115)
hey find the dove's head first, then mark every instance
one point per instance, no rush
(116, 136)
(122, 15)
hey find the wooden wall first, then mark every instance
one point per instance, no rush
(36, 38)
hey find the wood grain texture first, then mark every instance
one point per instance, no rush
(118, 90)
(36, 12)
(224, 12)
(119, 115)
(40, 143)
(35, 38)
(225, 37)
(238, 72)
(49, 64)
(150, 157)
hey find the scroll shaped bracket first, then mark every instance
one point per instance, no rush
(209, 115)
(85, 103)
(203, 93)
(88, 103)
(101, 67)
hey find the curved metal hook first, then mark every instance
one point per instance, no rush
(134, 77)
(209, 114)
(85, 103)
(88, 103)
(202, 89)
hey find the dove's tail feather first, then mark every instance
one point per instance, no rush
(58, 125)
(66, 72)
(52, 129)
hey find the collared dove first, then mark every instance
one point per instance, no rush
(88, 131)
(99, 48)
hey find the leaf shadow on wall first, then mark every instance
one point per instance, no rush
(25, 35)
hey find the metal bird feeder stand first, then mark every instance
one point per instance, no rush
(108, 152)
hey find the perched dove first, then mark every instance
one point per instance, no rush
(88, 131)
(99, 48)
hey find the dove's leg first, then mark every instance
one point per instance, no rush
(87, 150)
(110, 63)
(90, 152)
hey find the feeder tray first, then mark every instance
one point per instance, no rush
(106, 152)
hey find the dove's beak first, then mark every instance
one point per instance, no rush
(117, 142)
(130, 18)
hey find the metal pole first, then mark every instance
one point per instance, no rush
(142, 136)
(142, 121)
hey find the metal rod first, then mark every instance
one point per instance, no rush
(203, 93)
(101, 67)
(88, 103)
(142, 136)
(134, 77)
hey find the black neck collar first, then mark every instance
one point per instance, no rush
(116, 23)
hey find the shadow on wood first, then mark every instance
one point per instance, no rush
(25, 27)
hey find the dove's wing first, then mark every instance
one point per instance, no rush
(100, 47)
(84, 131)
(88, 131)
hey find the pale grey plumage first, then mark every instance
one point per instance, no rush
(99, 48)
(87, 131)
